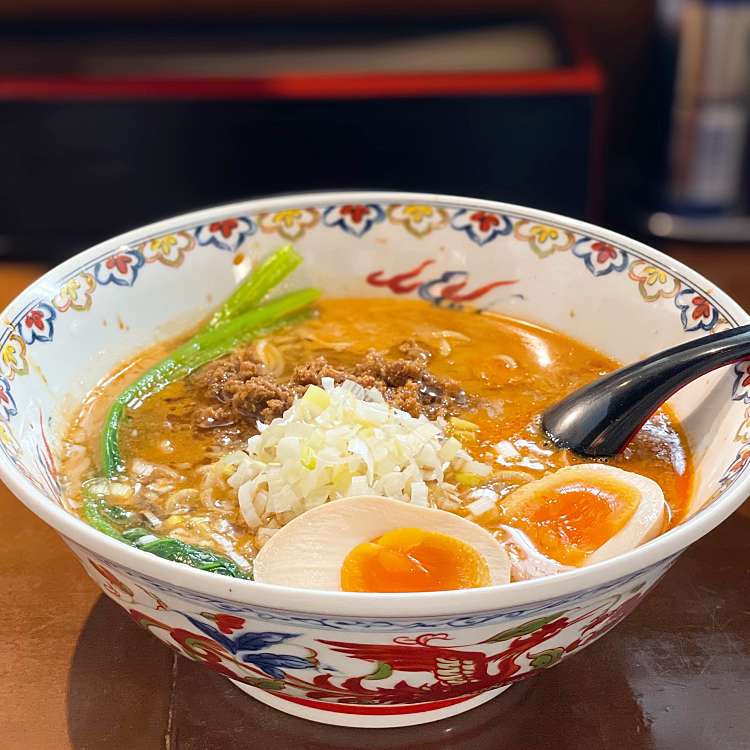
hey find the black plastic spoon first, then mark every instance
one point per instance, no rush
(601, 418)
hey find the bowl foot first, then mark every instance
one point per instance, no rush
(349, 715)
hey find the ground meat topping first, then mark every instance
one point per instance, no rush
(237, 388)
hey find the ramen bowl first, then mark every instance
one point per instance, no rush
(367, 660)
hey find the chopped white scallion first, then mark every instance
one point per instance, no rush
(120, 490)
(474, 467)
(482, 505)
(141, 468)
(419, 493)
(152, 518)
(341, 441)
(247, 508)
(359, 486)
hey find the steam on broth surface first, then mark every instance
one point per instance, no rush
(480, 379)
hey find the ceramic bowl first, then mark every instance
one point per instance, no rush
(367, 659)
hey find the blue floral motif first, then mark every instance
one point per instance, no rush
(8, 407)
(37, 324)
(481, 226)
(120, 268)
(356, 219)
(226, 234)
(697, 312)
(245, 645)
(601, 257)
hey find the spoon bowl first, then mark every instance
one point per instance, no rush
(601, 418)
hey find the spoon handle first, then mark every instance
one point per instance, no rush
(601, 418)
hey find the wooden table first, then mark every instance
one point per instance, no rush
(75, 673)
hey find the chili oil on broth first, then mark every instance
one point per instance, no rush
(513, 368)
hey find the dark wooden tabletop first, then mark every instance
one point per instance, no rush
(76, 673)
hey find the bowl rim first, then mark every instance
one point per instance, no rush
(336, 603)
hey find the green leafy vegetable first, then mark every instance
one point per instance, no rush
(95, 514)
(100, 515)
(195, 557)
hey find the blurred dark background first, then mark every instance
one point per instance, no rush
(117, 113)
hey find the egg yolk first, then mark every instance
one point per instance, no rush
(570, 521)
(406, 560)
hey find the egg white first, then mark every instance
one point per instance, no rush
(309, 551)
(645, 523)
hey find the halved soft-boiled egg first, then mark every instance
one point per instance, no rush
(375, 544)
(587, 513)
